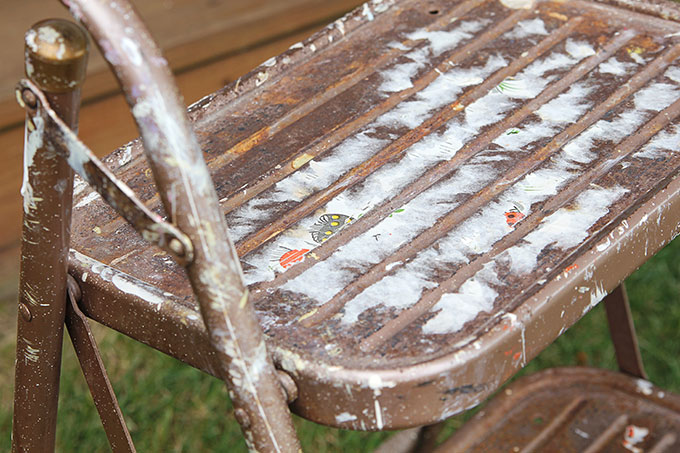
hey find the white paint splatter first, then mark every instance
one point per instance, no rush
(632, 436)
(566, 228)
(87, 200)
(442, 40)
(345, 417)
(527, 28)
(33, 143)
(579, 49)
(645, 387)
(367, 12)
(132, 51)
(615, 67)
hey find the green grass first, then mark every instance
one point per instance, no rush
(170, 407)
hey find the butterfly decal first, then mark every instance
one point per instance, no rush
(328, 225)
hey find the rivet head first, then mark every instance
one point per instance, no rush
(176, 247)
(29, 98)
(25, 312)
(242, 418)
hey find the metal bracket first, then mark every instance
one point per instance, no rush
(95, 374)
(116, 193)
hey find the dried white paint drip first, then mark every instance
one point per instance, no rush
(528, 28)
(579, 49)
(518, 4)
(34, 142)
(366, 11)
(645, 387)
(455, 309)
(126, 155)
(442, 91)
(124, 282)
(665, 142)
(30, 40)
(615, 67)
(89, 198)
(398, 78)
(345, 417)
(79, 185)
(442, 40)
(378, 415)
(132, 287)
(131, 50)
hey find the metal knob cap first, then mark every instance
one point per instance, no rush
(56, 55)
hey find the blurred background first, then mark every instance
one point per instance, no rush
(169, 406)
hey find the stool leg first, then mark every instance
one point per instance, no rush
(47, 191)
(622, 332)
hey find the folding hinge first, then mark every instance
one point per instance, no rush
(64, 142)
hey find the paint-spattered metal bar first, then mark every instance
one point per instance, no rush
(189, 197)
(65, 143)
(419, 209)
(95, 374)
(56, 57)
(615, 412)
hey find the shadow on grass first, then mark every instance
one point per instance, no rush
(171, 407)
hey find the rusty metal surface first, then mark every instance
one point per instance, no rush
(56, 55)
(190, 201)
(492, 172)
(574, 410)
(95, 374)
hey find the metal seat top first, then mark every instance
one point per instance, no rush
(423, 195)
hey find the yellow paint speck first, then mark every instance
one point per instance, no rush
(97, 230)
(558, 16)
(307, 315)
(301, 160)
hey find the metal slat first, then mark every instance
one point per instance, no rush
(431, 297)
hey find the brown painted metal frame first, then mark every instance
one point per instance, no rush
(47, 190)
(234, 349)
(189, 197)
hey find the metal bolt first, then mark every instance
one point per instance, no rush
(25, 312)
(176, 246)
(288, 385)
(242, 418)
(29, 98)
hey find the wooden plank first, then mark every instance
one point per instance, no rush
(191, 32)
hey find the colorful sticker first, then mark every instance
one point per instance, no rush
(513, 216)
(291, 257)
(328, 225)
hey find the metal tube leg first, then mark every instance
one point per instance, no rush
(622, 332)
(56, 55)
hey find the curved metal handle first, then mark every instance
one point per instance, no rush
(187, 192)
